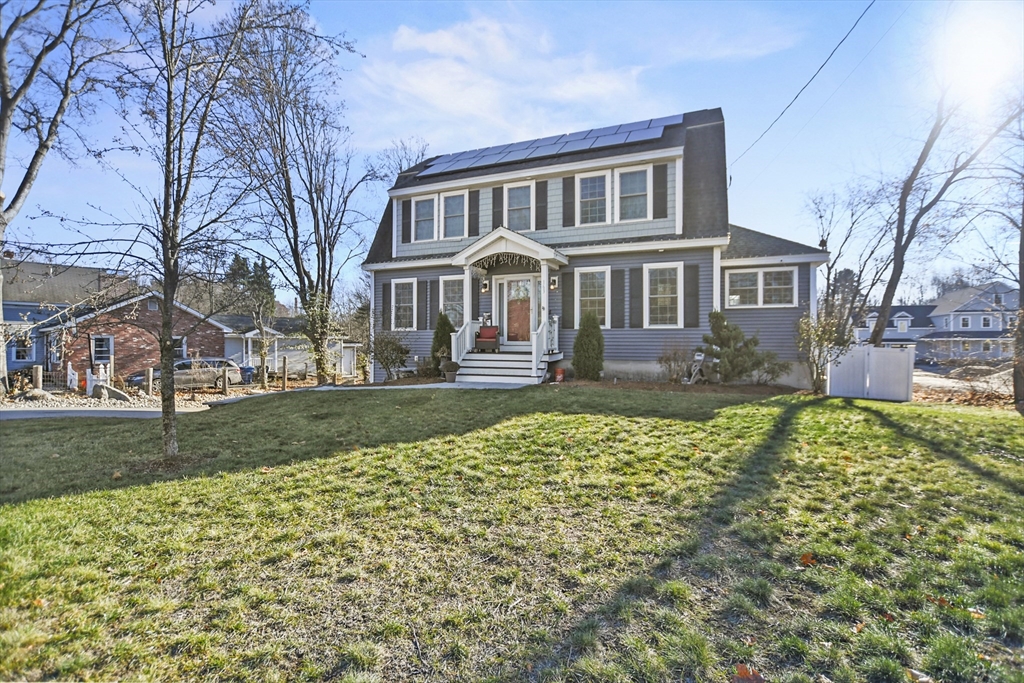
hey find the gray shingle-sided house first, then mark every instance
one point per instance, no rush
(906, 325)
(630, 222)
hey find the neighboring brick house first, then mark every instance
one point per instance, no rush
(124, 336)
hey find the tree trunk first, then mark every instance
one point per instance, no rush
(4, 385)
(168, 416)
(1018, 346)
(878, 331)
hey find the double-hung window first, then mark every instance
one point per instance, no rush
(901, 325)
(403, 298)
(180, 347)
(23, 349)
(518, 203)
(102, 349)
(769, 287)
(965, 322)
(423, 217)
(453, 207)
(986, 322)
(452, 290)
(998, 299)
(592, 198)
(663, 295)
(592, 294)
(635, 199)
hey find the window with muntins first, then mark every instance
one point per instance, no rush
(452, 301)
(404, 298)
(986, 346)
(23, 349)
(986, 321)
(423, 213)
(593, 294)
(633, 195)
(743, 289)
(180, 347)
(454, 215)
(965, 322)
(663, 296)
(778, 287)
(518, 202)
(593, 196)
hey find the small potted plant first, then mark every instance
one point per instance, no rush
(450, 369)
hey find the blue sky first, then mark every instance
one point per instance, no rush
(467, 75)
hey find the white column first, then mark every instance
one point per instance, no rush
(545, 274)
(467, 294)
(814, 291)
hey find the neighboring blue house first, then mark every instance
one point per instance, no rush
(975, 323)
(630, 222)
(38, 295)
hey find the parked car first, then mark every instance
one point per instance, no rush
(194, 373)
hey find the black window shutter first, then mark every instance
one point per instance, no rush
(385, 306)
(406, 221)
(661, 191)
(691, 296)
(497, 207)
(476, 299)
(636, 297)
(569, 202)
(474, 213)
(421, 305)
(618, 298)
(540, 220)
(435, 303)
(568, 300)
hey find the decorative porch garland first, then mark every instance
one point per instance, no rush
(506, 258)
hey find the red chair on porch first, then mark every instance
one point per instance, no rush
(487, 339)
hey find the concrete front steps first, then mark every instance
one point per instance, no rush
(505, 367)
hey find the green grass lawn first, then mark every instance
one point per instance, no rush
(550, 534)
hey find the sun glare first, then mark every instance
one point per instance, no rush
(981, 54)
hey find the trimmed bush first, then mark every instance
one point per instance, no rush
(443, 332)
(588, 350)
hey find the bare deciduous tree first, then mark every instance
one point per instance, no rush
(286, 138)
(919, 197)
(52, 56)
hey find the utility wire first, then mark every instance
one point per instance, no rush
(891, 27)
(807, 83)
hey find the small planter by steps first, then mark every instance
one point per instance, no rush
(450, 370)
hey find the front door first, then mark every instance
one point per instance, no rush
(518, 309)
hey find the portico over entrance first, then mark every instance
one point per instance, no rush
(515, 271)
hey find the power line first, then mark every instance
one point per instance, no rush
(807, 83)
(891, 27)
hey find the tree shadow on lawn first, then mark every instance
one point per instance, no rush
(713, 539)
(941, 449)
(45, 458)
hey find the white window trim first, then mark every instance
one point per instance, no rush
(607, 198)
(412, 219)
(465, 214)
(902, 326)
(678, 265)
(650, 193)
(153, 305)
(184, 344)
(760, 287)
(31, 348)
(968, 325)
(394, 307)
(607, 270)
(92, 347)
(985, 318)
(532, 184)
(452, 278)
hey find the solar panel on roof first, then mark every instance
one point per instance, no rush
(546, 150)
(460, 164)
(648, 134)
(577, 145)
(598, 132)
(608, 140)
(486, 160)
(543, 142)
(437, 168)
(516, 155)
(493, 150)
(520, 145)
(636, 125)
(667, 120)
(569, 137)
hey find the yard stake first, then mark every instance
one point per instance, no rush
(224, 380)
(149, 381)
(284, 374)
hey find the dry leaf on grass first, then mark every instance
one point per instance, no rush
(745, 674)
(807, 559)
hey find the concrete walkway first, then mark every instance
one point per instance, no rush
(56, 413)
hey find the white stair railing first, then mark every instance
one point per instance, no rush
(540, 348)
(72, 378)
(464, 340)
